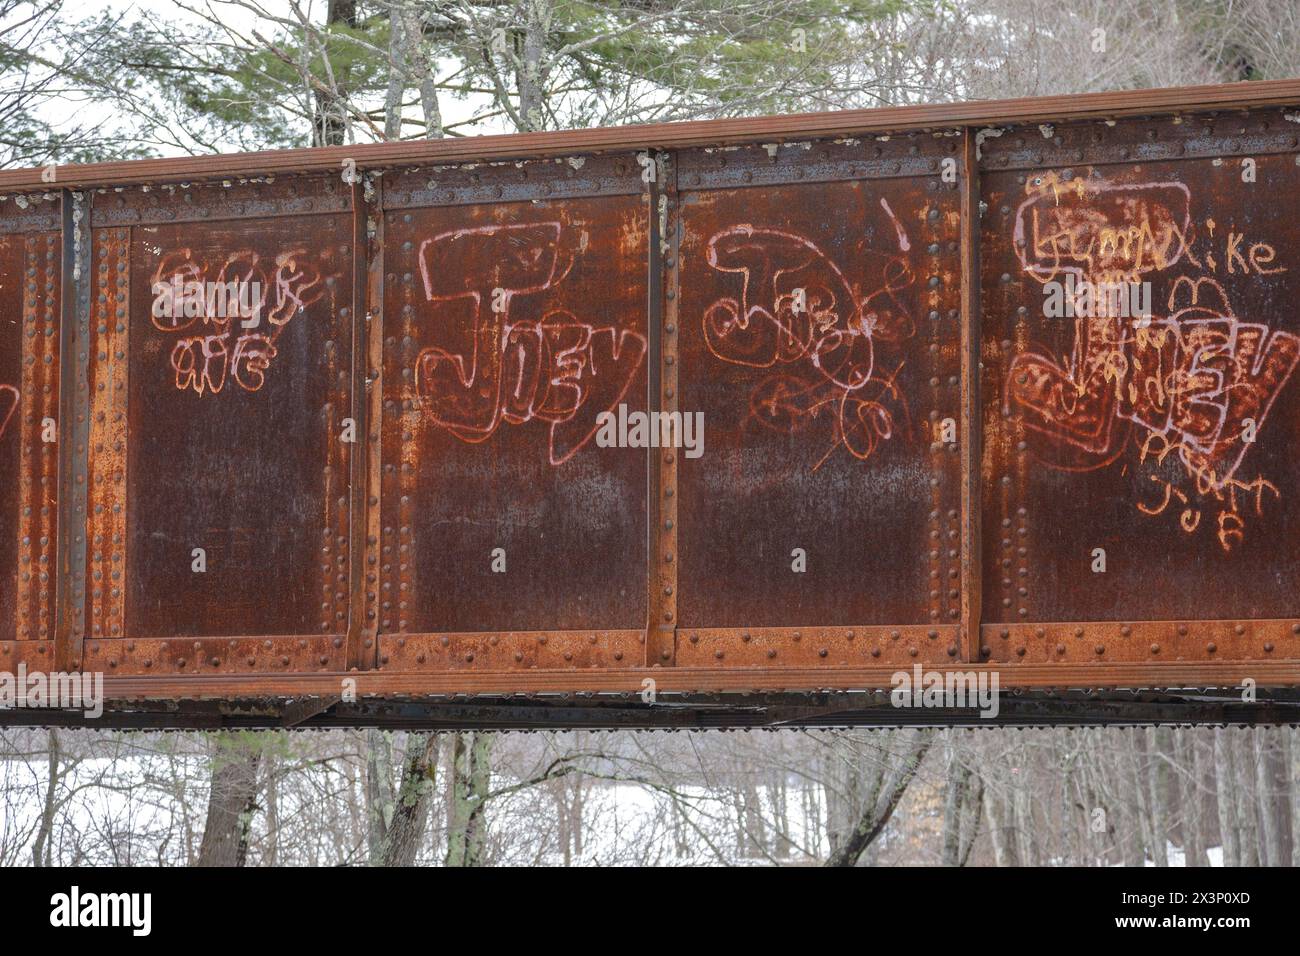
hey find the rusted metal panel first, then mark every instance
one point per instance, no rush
(106, 525)
(1160, 443)
(19, 291)
(215, 655)
(394, 473)
(819, 341)
(363, 410)
(508, 328)
(222, 365)
(971, 434)
(30, 308)
(373, 365)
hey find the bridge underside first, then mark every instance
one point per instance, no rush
(869, 709)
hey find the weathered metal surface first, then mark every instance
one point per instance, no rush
(220, 476)
(507, 329)
(584, 142)
(364, 412)
(234, 197)
(818, 340)
(30, 307)
(1163, 441)
(664, 304)
(71, 431)
(395, 478)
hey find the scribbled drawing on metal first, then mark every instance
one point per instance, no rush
(1006, 389)
(1156, 439)
(821, 523)
(510, 327)
(220, 382)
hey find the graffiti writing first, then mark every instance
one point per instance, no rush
(1196, 382)
(490, 366)
(216, 341)
(797, 313)
(8, 406)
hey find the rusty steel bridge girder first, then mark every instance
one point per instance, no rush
(386, 476)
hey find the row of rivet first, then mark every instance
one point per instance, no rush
(823, 652)
(671, 253)
(1208, 136)
(1013, 524)
(944, 535)
(203, 652)
(398, 482)
(335, 546)
(593, 639)
(224, 199)
(373, 359)
(38, 465)
(336, 584)
(109, 343)
(1125, 631)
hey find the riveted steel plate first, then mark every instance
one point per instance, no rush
(235, 197)
(268, 427)
(819, 343)
(508, 329)
(30, 295)
(226, 424)
(1140, 353)
(569, 177)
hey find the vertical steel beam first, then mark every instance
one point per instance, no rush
(73, 431)
(662, 367)
(374, 364)
(971, 411)
(363, 455)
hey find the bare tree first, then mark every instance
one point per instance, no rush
(232, 800)
(886, 783)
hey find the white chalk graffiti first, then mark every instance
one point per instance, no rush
(797, 311)
(275, 291)
(490, 367)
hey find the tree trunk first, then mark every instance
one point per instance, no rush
(1274, 785)
(271, 775)
(42, 851)
(232, 799)
(954, 802)
(1224, 782)
(398, 72)
(406, 828)
(891, 786)
(1194, 801)
(780, 815)
(421, 64)
(330, 124)
(380, 801)
(531, 75)
(755, 826)
(1153, 764)
(998, 814)
(577, 813)
(1292, 753)
(1243, 791)
(1024, 830)
(469, 779)
(971, 815)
